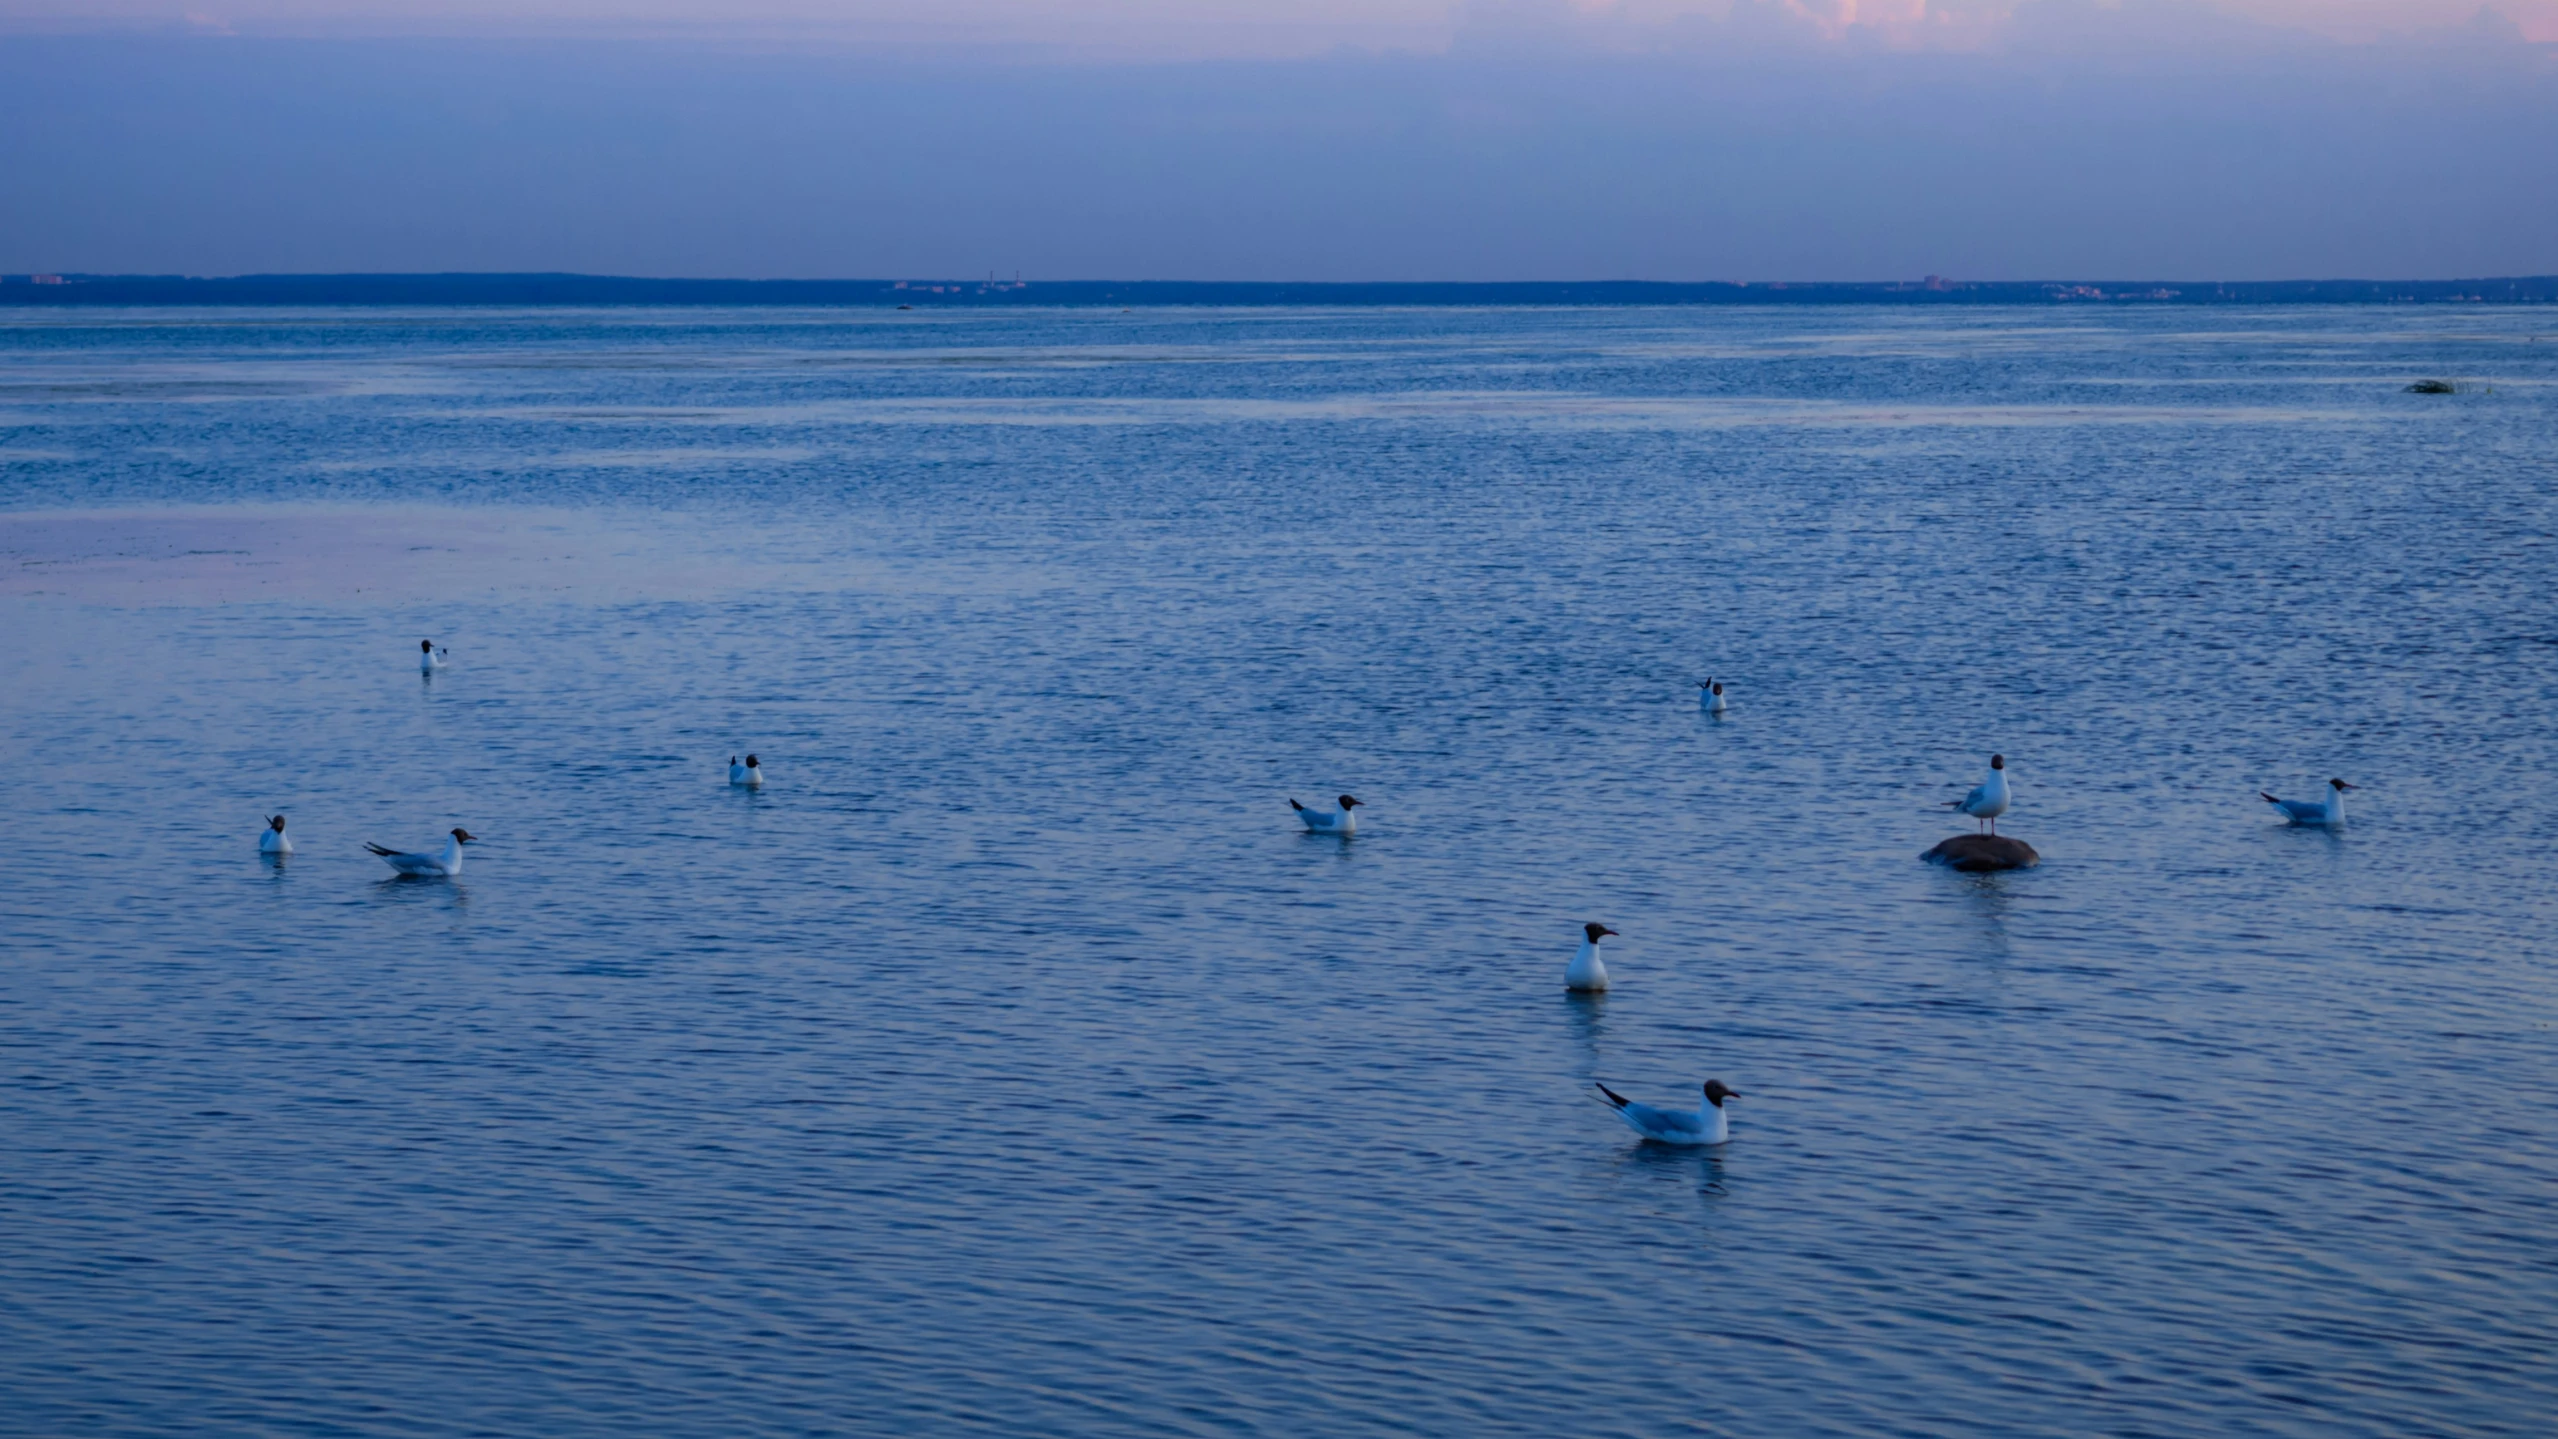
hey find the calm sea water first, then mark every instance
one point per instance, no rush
(1011, 1064)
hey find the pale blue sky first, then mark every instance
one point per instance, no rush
(1403, 139)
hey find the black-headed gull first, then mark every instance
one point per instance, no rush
(749, 774)
(1709, 693)
(273, 840)
(1588, 974)
(448, 863)
(1988, 799)
(1705, 1124)
(2329, 811)
(1330, 821)
(429, 658)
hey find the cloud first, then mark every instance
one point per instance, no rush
(1201, 29)
(1520, 139)
(2214, 30)
(182, 154)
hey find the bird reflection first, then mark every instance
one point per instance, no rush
(421, 889)
(1986, 899)
(1587, 1012)
(1665, 1159)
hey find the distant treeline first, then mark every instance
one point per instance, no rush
(928, 294)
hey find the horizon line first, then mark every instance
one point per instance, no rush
(574, 288)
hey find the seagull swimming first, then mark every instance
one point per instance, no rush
(1588, 975)
(273, 840)
(749, 774)
(427, 865)
(1330, 821)
(1988, 799)
(429, 658)
(1705, 1124)
(1710, 695)
(2330, 811)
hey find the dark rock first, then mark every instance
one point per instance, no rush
(2433, 387)
(1980, 853)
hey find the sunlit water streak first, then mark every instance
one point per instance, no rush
(1011, 1063)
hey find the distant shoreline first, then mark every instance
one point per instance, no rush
(22, 291)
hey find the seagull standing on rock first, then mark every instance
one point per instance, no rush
(1710, 695)
(429, 658)
(749, 774)
(1705, 1124)
(1988, 799)
(273, 840)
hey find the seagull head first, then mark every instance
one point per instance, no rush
(1594, 929)
(463, 836)
(1998, 761)
(1716, 1093)
(1349, 802)
(2340, 784)
(276, 824)
(751, 763)
(426, 647)
(1717, 686)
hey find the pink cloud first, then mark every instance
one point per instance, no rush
(1274, 28)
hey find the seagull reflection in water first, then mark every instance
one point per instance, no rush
(1706, 1162)
(1986, 900)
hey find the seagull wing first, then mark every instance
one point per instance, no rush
(1671, 1121)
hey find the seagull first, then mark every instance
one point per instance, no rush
(273, 841)
(427, 865)
(749, 774)
(2330, 811)
(1325, 821)
(1710, 695)
(1587, 974)
(1988, 799)
(1705, 1124)
(429, 658)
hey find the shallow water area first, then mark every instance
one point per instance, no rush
(1012, 1062)
(389, 555)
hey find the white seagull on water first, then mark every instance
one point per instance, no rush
(1705, 1124)
(1588, 975)
(1710, 695)
(273, 840)
(1330, 821)
(427, 865)
(2329, 811)
(429, 658)
(749, 774)
(1988, 799)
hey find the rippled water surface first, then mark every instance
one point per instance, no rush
(1011, 1064)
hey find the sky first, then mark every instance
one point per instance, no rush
(1257, 139)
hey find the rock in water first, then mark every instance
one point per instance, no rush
(1980, 853)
